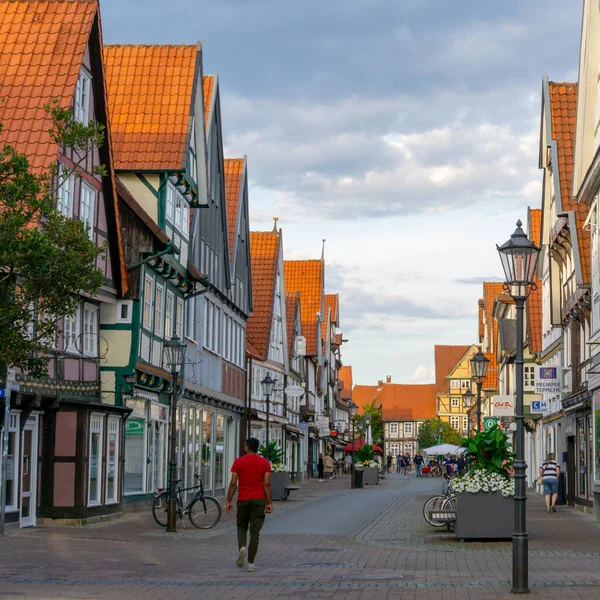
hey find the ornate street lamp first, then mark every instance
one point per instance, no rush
(353, 408)
(174, 355)
(479, 367)
(268, 383)
(467, 399)
(519, 257)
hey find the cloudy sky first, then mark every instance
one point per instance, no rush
(404, 132)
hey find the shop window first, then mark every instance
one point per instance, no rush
(220, 453)
(112, 461)
(157, 447)
(135, 448)
(95, 460)
(191, 454)
(12, 483)
(207, 450)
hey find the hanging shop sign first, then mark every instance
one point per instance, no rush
(489, 423)
(322, 424)
(539, 406)
(294, 391)
(547, 380)
(503, 406)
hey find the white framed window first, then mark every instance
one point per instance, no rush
(147, 318)
(95, 460)
(178, 317)
(528, 377)
(393, 428)
(170, 203)
(178, 209)
(71, 333)
(64, 194)
(169, 315)
(112, 461)
(90, 330)
(159, 295)
(190, 318)
(87, 206)
(454, 384)
(81, 103)
(12, 461)
(465, 421)
(408, 428)
(454, 402)
(455, 422)
(124, 308)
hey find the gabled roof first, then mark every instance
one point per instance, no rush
(332, 301)
(362, 395)
(150, 93)
(401, 402)
(307, 277)
(42, 46)
(209, 89)
(292, 306)
(534, 304)
(264, 252)
(234, 178)
(345, 376)
(563, 115)
(446, 359)
(491, 289)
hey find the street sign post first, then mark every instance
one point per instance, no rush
(489, 422)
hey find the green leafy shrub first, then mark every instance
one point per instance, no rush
(365, 454)
(275, 453)
(489, 451)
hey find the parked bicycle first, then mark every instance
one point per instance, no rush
(203, 511)
(444, 501)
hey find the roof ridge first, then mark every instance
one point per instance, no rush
(195, 46)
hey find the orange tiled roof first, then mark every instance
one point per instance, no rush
(446, 358)
(408, 402)
(234, 173)
(291, 305)
(362, 395)
(345, 376)
(150, 92)
(42, 45)
(332, 301)
(209, 83)
(534, 304)
(264, 251)
(563, 111)
(491, 289)
(307, 277)
(480, 306)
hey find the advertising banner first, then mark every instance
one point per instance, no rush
(503, 406)
(547, 380)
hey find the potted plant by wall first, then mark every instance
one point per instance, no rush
(364, 459)
(280, 476)
(485, 506)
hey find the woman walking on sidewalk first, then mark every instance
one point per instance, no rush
(320, 467)
(328, 467)
(549, 472)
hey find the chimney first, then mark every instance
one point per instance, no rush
(380, 384)
(388, 379)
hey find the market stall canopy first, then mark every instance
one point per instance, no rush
(359, 444)
(444, 449)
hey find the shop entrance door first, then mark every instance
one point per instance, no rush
(29, 464)
(571, 476)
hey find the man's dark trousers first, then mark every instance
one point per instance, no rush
(250, 514)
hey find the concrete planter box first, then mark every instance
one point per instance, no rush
(279, 481)
(484, 516)
(370, 476)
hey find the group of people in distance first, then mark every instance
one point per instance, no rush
(431, 467)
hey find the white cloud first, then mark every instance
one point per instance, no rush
(422, 374)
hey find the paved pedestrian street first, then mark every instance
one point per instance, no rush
(326, 542)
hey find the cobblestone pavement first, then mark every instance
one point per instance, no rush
(327, 542)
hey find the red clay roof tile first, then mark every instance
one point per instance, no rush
(446, 359)
(363, 395)
(234, 174)
(150, 116)
(491, 289)
(401, 402)
(292, 300)
(345, 376)
(264, 252)
(209, 86)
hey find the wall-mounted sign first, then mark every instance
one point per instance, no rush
(503, 406)
(322, 424)
(539, 406)
(134, 427)
(489, 423)
(547, 380)
(294, 391)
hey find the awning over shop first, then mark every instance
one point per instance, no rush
(359, 444)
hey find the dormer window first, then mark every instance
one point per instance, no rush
(81, 103)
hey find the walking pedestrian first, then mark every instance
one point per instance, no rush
(418, 460)
(448, 463)
(321, 467)
(328, 467)
(460, 463)
(253, 473)
(389, 463)
(348, 463)
(549, 473)
(405, 465)
(399, 461)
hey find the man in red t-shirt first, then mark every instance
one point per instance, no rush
(254, 499)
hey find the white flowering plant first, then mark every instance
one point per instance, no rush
(279, 468)
(366, 464)
(480, 480)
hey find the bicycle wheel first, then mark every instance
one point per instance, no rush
(450, 504)
(159, 508)
(434, 503)
(205, 512)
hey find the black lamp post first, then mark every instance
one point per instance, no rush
(467, 399)
(479, 367)
(352, 409)
(267, 384)
(440, 431)
(367, 430)
(174, 351)
(519, 257)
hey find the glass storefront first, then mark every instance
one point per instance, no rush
(157, 447)
(135, 448)
(207, 453)
(220, 453)
(597, 438)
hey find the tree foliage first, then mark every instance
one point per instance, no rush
(376, 422)
(429, 434)
(47, 261)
